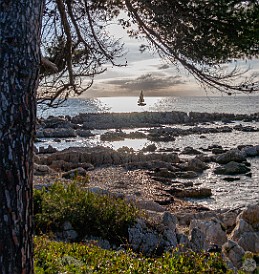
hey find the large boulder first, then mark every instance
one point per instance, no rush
(232, 168)
(251, 215)
(185, 218)
(151, 240)
(232, 155)
(228, 220)
(246, 232)
(203, 233)
(156, 236)
(197, 239)
(234, 253)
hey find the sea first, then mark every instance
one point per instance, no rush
(238, 193)
(222, 104)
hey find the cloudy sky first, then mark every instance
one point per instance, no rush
(144, 71)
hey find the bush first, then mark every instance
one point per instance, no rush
(88, 213)
(58, 257)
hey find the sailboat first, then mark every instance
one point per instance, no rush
(141, 101)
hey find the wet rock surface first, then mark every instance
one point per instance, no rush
(232, 168)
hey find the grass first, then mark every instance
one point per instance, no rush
(58, 257)
(89, 214)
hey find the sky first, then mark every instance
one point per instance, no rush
(147, 72)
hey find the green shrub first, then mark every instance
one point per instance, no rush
(58, 257)
(89, 213)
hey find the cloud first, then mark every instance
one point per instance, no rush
(147, 82)
(165, 66)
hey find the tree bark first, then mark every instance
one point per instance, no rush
(20, 27)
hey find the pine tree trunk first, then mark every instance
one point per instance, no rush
(20, 26)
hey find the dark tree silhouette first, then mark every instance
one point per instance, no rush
(20, 25)
(201, 36)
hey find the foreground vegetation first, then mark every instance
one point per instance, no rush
(88, 213)
(59, 257)
(106, 217)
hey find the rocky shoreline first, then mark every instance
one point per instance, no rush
(157, 180)
(64, 127)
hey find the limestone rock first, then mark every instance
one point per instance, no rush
(69, 233)
(59, 133)
(169, 220)
(84, 133)
(57, 122)
(232, 168)
(203, 233)
(233, 252)
(150, 148)
(163, 220)
(47, 150)
(249, 241)
(113, 136)
(251, 215)
(186, 175)
(143, 239)
(99, 156)
(232, 155)
(190, 151)
(195, 164)
(228, 220)
(190, 192)
(197, 239)
(41, 170)
(165, 173)
(249, 265)
(245, 235)
(146, 204)
(126, 120)
(184, 243)
(148, 240)
(250, 151)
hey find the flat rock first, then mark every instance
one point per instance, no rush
(232, 168)
(232, 155)
(190, 193)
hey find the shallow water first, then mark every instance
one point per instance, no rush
(225, 194)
